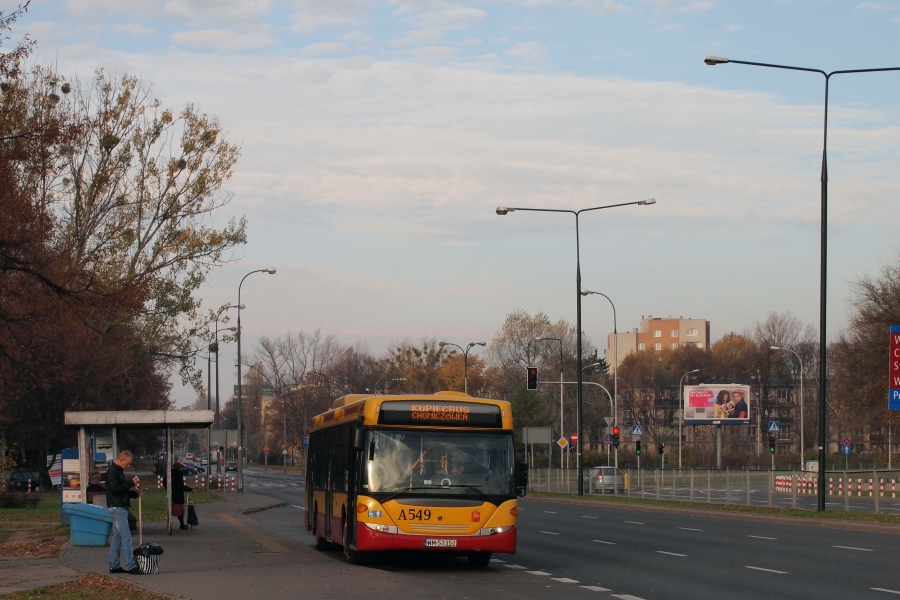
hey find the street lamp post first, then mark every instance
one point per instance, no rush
(503, 210)
(718, 60)
(800, 360)
(240, 398)
(616, 359)
(214, 347)
(562, 430)
(681, 418)
(465, 359)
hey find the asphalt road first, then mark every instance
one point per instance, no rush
(569, 550)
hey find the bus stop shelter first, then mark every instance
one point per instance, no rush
(168, 420)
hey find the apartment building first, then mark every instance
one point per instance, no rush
(658, 333)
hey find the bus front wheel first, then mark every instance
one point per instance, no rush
(479, 560)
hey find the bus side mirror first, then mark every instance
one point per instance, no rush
(522, 483)
(359, 438)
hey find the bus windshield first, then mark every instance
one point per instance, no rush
(439, 463)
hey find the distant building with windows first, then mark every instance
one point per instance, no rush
(657, 334)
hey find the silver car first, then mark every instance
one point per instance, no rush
(605, 479)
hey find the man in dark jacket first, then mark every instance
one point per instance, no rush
(119, 492)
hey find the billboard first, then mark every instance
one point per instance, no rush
(714, 404)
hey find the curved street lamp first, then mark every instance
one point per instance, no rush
(240, 398)
(465, 359)
(503, 210)
(615, 358)
(800, 360)
(720, 60)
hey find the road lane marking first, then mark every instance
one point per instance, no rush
(626, 597)
(634, 522)
(564, 580)
(670, 553)
(602, 542)
(879, 590)
(852, 548)
(515, 567)
(538, 573)
(549, 533)
(596, 588)
(267, 542)
(497, 560)
(766, 570)
(550, 512)
(587, 517)
(300, 507)
(762, 537)
(689, 529)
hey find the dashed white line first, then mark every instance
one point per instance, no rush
(515, 567)
(563, 580)
(766, 570)
(604, 542)
(497, 560)
(587, 517)
(634, 522)
(596, 588)
(852, 548)
(689, 529)
(879, 590)
(670, 553)
(550, 512)
(550, 533)
(300, 507)
(762, 537)
(538, 573)
(626, 597)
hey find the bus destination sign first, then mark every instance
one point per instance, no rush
(444, 414)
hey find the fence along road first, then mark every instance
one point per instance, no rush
(849, 491)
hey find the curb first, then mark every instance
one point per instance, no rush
(250, 511)
(722, 514)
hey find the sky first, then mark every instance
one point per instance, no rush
(378, 138)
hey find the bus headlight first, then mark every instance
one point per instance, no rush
(492, 530)
(382, 528)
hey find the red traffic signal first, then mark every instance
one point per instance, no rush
(532, 378)
(616, 431)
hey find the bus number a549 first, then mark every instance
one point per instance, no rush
(412, 514)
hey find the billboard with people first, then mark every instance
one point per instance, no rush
(728, 404)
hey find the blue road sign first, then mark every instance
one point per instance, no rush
(846, 449)
(306, 440)
(608, 439)
(637, 430)
(774, 427)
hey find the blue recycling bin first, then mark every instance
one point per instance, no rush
(89, 525)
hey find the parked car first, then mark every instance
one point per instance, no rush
(187, 469)
(231, 466)
(204, 461)
(605, 479)
(18, 481)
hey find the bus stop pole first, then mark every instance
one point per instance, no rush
(83, 463)
(168, 476)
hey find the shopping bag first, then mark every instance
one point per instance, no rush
(146, 555)
(192, 519)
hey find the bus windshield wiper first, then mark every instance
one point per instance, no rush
(407, 489)
(470, 487)
(438, 488)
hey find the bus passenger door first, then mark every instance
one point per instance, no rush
(329, 483)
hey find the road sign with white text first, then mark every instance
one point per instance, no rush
(894, 370)
(637, 430)
(774, 427)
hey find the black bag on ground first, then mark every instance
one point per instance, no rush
(147, 557)
(192, 519)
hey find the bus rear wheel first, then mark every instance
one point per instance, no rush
(321, 544)
(479, 560)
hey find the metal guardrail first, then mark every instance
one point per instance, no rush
(874, 491)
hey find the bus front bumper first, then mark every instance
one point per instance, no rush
(369, 540)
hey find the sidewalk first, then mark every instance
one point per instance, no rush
(17, 574)
(231, 555)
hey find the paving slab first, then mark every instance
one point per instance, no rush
(17, 574)
(232, 555)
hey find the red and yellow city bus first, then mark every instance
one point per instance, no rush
(414, 472)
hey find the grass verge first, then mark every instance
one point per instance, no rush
(91, 586)
(831, 516)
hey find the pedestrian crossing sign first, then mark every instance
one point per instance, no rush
(774, 427)
(637, 430)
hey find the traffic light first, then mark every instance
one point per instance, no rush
(637, 448)
(662, 448)
(532, 378)
(772, 444)
(616, 436)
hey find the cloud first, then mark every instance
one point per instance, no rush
(876, 6)
(239, 13)
(528, 51)
(437, 14)
(223, 40)
(310, 15)
(324, 49)
(603, 7)
(132, 29)
(683, 6)
(673, 27)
